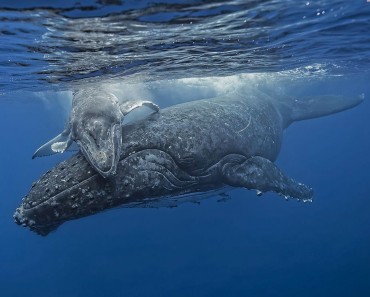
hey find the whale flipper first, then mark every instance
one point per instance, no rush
(262, 175)
(134, 111)
(58, 144)
(130, 105)
(151, 105)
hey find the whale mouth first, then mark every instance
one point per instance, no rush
(103, 151)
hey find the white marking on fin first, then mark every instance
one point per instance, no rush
(53, 146)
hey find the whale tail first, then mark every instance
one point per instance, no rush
(317, 106)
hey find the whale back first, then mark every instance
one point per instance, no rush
(197, 134)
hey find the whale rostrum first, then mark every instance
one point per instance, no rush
(172, 156)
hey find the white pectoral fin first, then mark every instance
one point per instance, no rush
(154, 107)
(138, 112)
(58, 144)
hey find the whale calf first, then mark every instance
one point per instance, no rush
(186, 149)
(95, 125)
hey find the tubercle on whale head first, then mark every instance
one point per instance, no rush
(21, 219)
(87, 198)
(58, 196)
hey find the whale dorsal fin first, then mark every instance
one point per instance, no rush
(134, 111)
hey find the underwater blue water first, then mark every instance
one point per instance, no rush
(171, 52)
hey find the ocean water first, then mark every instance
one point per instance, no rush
(172, 52)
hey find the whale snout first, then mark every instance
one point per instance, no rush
(71, 190)
(30, 219)
(102, 148)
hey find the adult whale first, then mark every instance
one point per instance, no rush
(188, 148)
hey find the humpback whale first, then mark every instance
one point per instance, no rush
(186, 149)
(95, 125)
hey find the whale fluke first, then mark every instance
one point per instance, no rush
(317, 106)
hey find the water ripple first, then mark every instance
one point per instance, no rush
(55, 46)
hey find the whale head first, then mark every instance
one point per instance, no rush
(101, 143)
(98, 132)
(72, 189)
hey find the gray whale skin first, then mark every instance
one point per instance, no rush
(190, 148)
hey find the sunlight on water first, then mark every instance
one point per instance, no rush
(174, 91)
(58, 47)
(295, 82)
